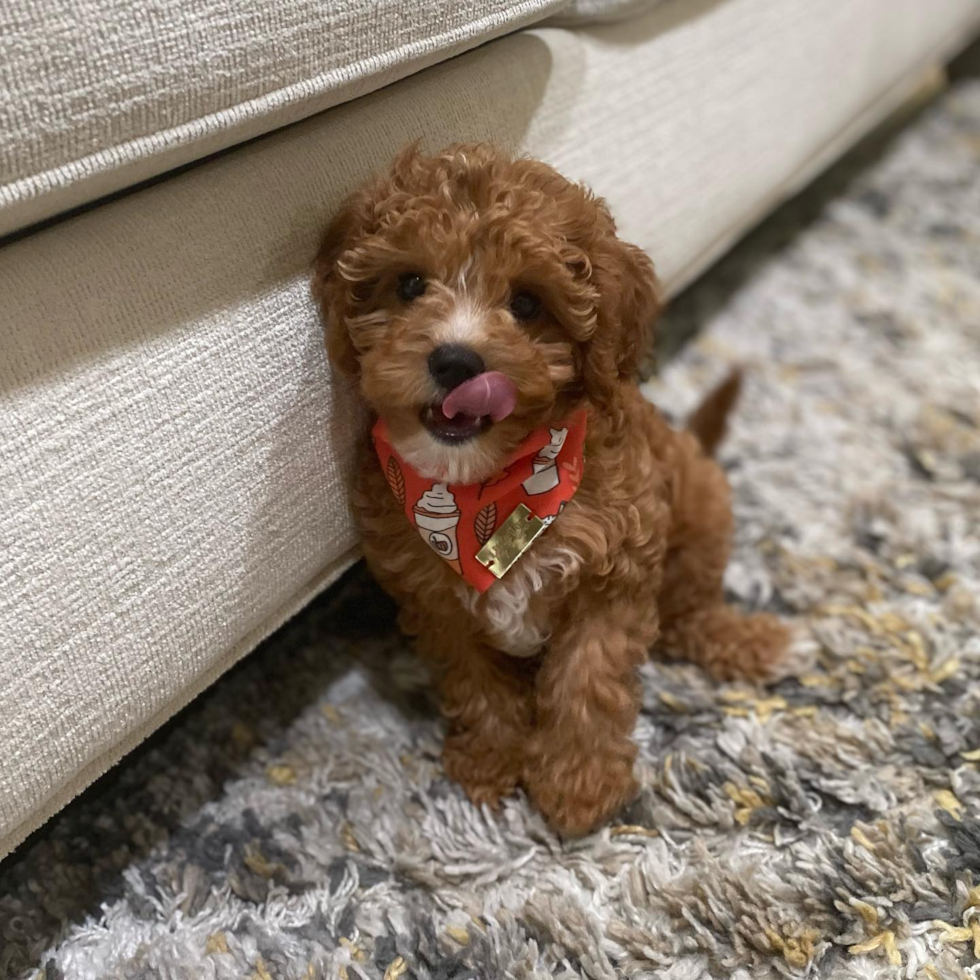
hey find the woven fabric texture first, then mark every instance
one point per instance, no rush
(96, 95)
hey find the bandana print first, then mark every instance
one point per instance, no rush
(457, 520)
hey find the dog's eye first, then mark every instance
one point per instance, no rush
(410, 286)
(525, 306)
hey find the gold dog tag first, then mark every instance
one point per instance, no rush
(510, 541)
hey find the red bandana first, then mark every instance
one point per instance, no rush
(480, 529)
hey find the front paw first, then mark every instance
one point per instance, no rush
(486, 773)
(577, 793)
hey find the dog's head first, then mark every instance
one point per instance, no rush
(470, 265)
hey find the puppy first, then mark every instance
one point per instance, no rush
(538, 522)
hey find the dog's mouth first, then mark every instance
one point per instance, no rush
(471, 408)
(456, 430)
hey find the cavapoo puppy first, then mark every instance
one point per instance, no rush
(538, 522)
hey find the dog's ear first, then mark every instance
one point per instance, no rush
(629, 301)
(330, 290)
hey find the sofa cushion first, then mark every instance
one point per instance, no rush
(174, 447)
(579, 12)
(96, 95)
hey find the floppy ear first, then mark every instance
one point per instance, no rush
(331, 292)
(628, 305)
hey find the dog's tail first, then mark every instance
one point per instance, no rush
(710, 419)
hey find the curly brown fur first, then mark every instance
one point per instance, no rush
(538, 676)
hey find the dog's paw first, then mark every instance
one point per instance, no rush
(762, 644)
(486, 773)
(732, 646)
(577, 795)
(768, 650)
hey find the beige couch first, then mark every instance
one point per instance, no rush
(174, 450)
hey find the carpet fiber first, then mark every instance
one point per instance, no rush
(296, 823)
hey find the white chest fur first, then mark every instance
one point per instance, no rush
(514, 623)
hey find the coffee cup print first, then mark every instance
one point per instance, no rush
(436, 517)
(544, 466)
(551, 518)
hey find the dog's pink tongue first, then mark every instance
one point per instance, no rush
(490, 393)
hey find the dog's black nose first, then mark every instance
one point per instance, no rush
(452, 364)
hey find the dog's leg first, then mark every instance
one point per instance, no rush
(580, 767)
(696, 623)
(487, 699)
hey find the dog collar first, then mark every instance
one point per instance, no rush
(481, 529)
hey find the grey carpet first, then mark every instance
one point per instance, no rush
(295, 822)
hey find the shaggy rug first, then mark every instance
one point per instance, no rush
(296, 823)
